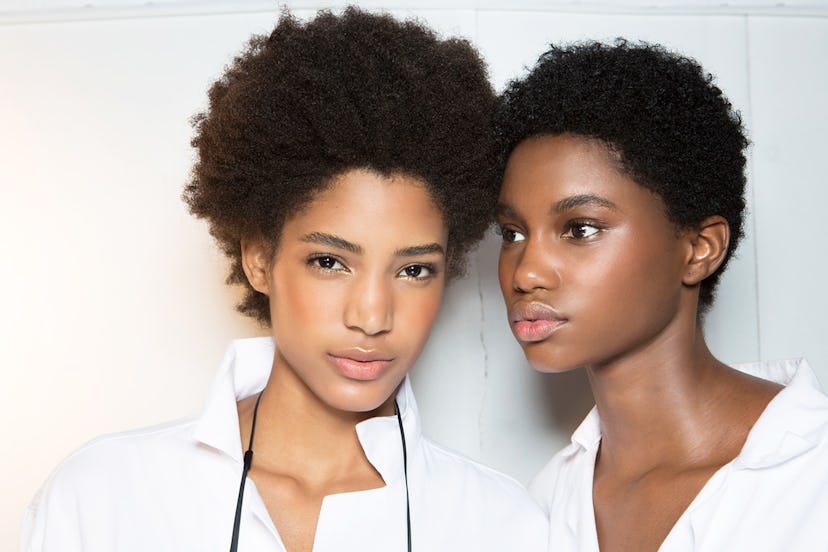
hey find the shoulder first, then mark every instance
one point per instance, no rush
(445, 463)
(774, 496)
(794, 424)
(84, 487)
(115, 453)
(481, 501)
(478, 486)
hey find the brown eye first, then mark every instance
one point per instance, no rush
(326, 262)
(509, 235)
(417, 272)
(580, 231)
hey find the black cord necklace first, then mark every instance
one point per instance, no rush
(248, 459)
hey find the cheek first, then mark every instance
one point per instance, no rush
(303, 306)
(613, 278)
(417, 312)
(631, 289)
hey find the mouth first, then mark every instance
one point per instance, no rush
(533, 322)
(360, 364)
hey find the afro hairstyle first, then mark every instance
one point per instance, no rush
(657, 112)
(314, 100)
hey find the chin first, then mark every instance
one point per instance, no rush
(363, 399)
(546, 362)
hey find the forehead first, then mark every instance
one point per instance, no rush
(544, 170)
(560, 158)
(362, 204)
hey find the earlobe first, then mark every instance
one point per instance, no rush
(709, 243)
(255, 264)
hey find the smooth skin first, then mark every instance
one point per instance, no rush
(354, 289)
(593, 253)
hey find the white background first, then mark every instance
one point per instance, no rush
(114, 311)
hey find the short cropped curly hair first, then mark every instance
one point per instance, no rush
(658, 112)
(353, 91)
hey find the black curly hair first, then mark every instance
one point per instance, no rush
(312, 101)
(670, 127)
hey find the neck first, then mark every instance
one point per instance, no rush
(299, 435)
(658, 403)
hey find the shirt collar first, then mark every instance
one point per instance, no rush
(245, 371)
(787, 427)
(785, 416)
(585, 441)
(588, 434)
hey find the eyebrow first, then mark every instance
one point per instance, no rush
(331, 240)
(416, 250)
(506, 211)
(572, 202)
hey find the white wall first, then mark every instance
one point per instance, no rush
(115, 314)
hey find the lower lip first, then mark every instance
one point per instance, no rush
(361, 371)
(536, 330)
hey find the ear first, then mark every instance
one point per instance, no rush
(708, 244)
(256, 266)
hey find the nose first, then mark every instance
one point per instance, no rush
(370, 306)
(536, 267)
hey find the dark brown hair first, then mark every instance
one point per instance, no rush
(340, 92)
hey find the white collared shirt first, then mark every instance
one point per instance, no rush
(773, 496)
(174, 488)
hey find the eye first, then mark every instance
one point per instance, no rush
(580, 230)
(326, 262)
(509, 235)
(417, 272)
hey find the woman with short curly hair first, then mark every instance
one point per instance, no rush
(345, 166)
(622, 202)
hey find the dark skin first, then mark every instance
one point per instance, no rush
(664, 436)
(596, 276)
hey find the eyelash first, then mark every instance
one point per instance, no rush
(432, 272)
(571, 225)
(508, 234)
(315, 261)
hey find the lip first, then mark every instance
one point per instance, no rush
(361, 364)
(535, 321)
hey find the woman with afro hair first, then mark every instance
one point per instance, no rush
(622, 201)
(345, 166)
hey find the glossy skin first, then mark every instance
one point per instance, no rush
(595, 275)
(354, 288)
(579, 240)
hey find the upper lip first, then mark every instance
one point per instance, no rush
(533, 310)
(361, 354)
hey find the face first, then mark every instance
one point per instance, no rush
(590, 267)
(355, 287)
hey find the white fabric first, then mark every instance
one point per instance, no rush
(773, 496)
(174, 488)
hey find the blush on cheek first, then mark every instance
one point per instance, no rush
(419, 317)
(296, 310)
(427, 316)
